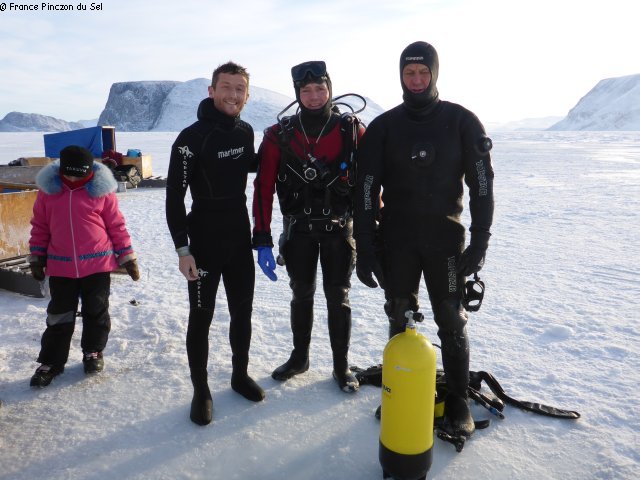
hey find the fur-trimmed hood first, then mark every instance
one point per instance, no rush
(49, 181)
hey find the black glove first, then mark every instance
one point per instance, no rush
(37, 264)
(367, 264)
(472, 259)
(132, 269)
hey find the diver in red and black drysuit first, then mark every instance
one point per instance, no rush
(308, 159)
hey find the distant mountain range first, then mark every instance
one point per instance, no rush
(33, 122)
(612, 105)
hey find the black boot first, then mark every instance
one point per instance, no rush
(301, 325)
(201, 404)
(345, 378)
(45, 374)
(93, 362)
(339, 336)
(455, 361)
(198, 355)
(242, 383)
(457, 416)
(298, 363)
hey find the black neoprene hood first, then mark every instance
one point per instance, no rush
(424, 54)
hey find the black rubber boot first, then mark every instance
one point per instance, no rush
(301, 325)
(457, 416)
(340, 336)
(93, 362)
(198, 355)
(201, 404)
(242, 383)
(345, 378)
(297, 364)
(455, 361)
(45, 374)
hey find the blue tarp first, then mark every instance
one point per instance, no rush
(95, 139)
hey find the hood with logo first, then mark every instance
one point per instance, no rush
(423, 54)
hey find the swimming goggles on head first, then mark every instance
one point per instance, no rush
(315, 69)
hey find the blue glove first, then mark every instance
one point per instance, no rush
(267, 263)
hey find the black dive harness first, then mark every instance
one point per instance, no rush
(305, 175)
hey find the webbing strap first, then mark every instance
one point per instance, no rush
(535, 407)
(373, 376)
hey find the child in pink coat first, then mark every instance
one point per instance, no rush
(78, 236)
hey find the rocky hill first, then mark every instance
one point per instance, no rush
(171, 106)
(135, 106)
(179, 107)
(613, 104)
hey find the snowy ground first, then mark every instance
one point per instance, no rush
(559, 325)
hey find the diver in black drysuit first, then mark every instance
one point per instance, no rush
(212, 158)
(418, 154)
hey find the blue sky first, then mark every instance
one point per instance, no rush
(505, 60)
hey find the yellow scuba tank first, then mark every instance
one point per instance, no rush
(407, 407)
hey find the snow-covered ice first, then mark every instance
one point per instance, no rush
(558, 326)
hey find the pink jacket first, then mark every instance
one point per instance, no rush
(80, 231)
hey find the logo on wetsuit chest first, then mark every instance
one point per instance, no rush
(422, 155)
(232, 152)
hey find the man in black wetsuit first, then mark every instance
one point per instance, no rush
(418, 154)
(212, 158)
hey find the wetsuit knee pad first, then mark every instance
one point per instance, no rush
(200, 316)
(302, 291)
(450, 316)
(337, 296)
(395, 309)
(451, 319)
